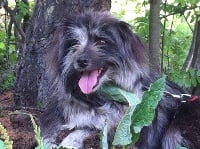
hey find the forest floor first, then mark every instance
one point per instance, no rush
(17, 122)
(19, 127)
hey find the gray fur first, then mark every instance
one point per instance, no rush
(106, 43)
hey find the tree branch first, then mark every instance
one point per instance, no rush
(181, 11)
(188, 62)
(163, 41)
(188, 23)
(13, 17)
(8, 35)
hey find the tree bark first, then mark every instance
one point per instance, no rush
(196, 57)
(31, 85)
(154, 35)
(193, 58)
(188, 62)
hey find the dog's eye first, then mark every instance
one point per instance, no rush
(101, 42)
(72, 43)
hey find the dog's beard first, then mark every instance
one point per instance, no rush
(84, 84)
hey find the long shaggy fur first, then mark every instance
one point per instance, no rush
(97, 42)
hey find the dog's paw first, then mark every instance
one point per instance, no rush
(71, 143)
(68, 147)
(75, 139)
(48, 144)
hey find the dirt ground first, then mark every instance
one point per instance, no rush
(17, 122)
(19, 127)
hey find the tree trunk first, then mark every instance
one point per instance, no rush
(31, 85)
(193, 58)
(196, 57)
(189, 59)
(154, 35)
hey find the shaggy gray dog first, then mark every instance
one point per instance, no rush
(89, 50)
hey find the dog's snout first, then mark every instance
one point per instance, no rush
(82, 62)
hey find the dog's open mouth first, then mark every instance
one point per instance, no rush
(89, 80)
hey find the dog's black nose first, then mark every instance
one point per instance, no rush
(82, 62)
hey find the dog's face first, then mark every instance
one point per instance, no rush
(93, 49)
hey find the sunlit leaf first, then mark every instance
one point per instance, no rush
(139, 113)
(123, 133)
(104, 140)
(2, 145)
(145, 111)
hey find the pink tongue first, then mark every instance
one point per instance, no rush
(88, 81)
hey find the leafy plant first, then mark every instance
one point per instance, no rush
(23, 9)
(37, 134)
(145, 111)
(6, 80)
(190, 78)
(38, 137)
(140, 113)
(5, 142)
(123, 133)
(181, 148)
(8, 58)
(104, 143)
(2, 145)
(8, 54)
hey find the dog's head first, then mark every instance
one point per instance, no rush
(94, 48)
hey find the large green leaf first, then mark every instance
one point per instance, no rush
(139, 113)
(145, 111)
(181, 147)
(123, 133)
(40, 144)
(2, 145)
(104, 143)
(119, 95)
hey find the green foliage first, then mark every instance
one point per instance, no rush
(190, 78)
(23, 9)
(141, 26)
(5, 142)
(8, 57)
(181, 148)
(4, 54)
(179, 17)
(2, 145)
(177, 42)
(145, 112)
(119, 95)
(139, 113)
(6, 80)
(37, 134)
(104, 133)
(123, 133)
(189, 9)
(8, 51)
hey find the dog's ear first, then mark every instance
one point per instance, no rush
(133, 45)
(54, 53)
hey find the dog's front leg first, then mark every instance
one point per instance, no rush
(75, 139)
